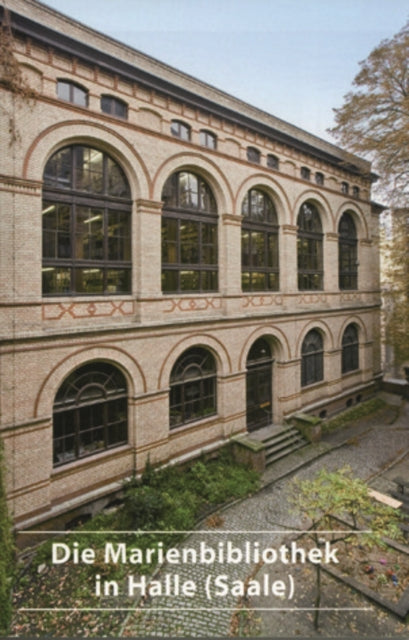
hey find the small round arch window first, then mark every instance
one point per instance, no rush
(86, 221)
(350, 349)
(193, 383)
(90, 412)
(312, 358)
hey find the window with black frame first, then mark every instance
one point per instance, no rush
(180, 130)
(208, 139)
(193, 384)
(189, 235)
(350, 349)
(309, 248)
(72, 92)
(90, 413)
(259, 243)
(114, 106)
(86, 220)
(312, 358)
(347, 252)
(253, 155)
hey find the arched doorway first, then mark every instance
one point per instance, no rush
(259, 385)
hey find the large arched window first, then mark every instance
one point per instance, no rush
(347, 252)
(350, 349)
(189, 235)
(312, 358)
(259, 243)
(86, 224)
(90, 412)
(192, 387)
(309, 248)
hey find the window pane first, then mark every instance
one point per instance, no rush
(258, 249)
(258, 281)
(79, 96)
(117, 183)
(89, 170)
(245, 281)
(63, 90)
(245, 248)
(118, 280)
(209, 244)
(169, 241)
(56, 280)
(89, 234)
(56, 230)
(170, 281)
(119, 240)
(188, 191)
(58, 170)
(189, 242)
(209, 281)
(89, 280)
(189, 280)
(272, 250)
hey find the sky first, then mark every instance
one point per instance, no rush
(295, 59)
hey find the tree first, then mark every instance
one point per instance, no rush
(374, 119)
(396, 287)
(374, 122)
(334, 496)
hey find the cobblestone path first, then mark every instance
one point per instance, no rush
(267, 513)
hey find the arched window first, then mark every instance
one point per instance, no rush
(208, 139)
(114, 106)
(180, 130)
(189, 235)
(350, 349)
(72, 92)
(90, 412)
(312, 358)
(192, 387)
(259, 243)
(253, 155)
(309, 248)
(86, 224)
(272, 161)
(347, 253)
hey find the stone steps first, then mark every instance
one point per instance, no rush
(281, 443)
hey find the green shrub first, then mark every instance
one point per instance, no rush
(355, 413)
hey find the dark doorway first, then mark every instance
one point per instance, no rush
(259, 385)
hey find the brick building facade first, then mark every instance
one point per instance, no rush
(177, 267)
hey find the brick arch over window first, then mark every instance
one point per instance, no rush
(189, 235)
(90, 412)
(86, 219)
(204, 167)
(101, 136)
(119, 358)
